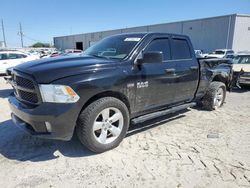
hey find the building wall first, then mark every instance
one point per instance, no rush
(206, 34)
(210, 34)
(241, 39)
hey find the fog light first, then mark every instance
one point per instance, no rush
(48, 126)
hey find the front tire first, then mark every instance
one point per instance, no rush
(215, 96)
(103, 124)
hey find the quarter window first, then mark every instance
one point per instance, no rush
(160, 45)
(180, 49)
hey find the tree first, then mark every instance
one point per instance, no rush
(41, 45)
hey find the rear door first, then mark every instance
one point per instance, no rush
(186, 69)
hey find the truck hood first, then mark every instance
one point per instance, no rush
(50, 69)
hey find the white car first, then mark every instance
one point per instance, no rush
(200, 54)
(241, 68)
(10, 59)
(221, 53)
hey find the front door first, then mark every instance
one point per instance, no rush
(156, 81)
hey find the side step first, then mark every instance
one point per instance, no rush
(153, 115)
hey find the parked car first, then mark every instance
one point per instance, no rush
(220, 53)
(200, 54)
(65, 53)
(72, 52)
(230, 56)
(98, 94)
(10, 59)
(241, 67)
(54, 54)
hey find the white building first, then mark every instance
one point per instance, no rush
(207, 34)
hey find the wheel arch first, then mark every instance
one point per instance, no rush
(220, 78)
(114, 94)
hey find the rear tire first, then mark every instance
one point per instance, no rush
(103, 124)
(215, 96)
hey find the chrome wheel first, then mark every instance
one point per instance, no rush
(218, 99)
(108, 125)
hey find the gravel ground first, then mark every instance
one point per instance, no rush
(193, 148)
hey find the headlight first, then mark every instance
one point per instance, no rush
(58, 94)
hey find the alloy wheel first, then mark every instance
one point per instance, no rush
(108, 125)
(218, 99)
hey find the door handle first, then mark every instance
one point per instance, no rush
(194, 68)
(170, 71)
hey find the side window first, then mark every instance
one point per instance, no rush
(160, 45)
(245, 60)
(21, 56)
(3, 56)
(13, 56)
(180, 49)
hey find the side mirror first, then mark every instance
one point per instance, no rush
(150, 57)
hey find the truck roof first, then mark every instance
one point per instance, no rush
(151, 33)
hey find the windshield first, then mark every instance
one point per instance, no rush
(241, 60)
(116, 47)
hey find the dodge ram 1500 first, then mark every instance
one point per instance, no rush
(122, 79)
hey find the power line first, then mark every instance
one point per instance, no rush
(21, 34)
(35, 40)
(4, 39)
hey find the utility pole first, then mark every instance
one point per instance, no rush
(21, 34)
(4, 39)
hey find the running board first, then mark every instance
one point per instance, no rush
(153, 115)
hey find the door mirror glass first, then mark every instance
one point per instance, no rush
(151, 57)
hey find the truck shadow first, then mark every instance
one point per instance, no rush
(140, 127)
(242, 90)
(18, 145)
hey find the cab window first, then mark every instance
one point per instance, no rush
(245, 60)
(160, 45)
(180, 49)
(241, 60)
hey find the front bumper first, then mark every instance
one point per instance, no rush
(47, 120)
(241, 78)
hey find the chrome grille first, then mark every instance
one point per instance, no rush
(23, 82)
(25, 88)
(27, 96)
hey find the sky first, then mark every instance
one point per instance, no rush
(43, 20)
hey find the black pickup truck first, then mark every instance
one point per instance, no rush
(122, 79)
